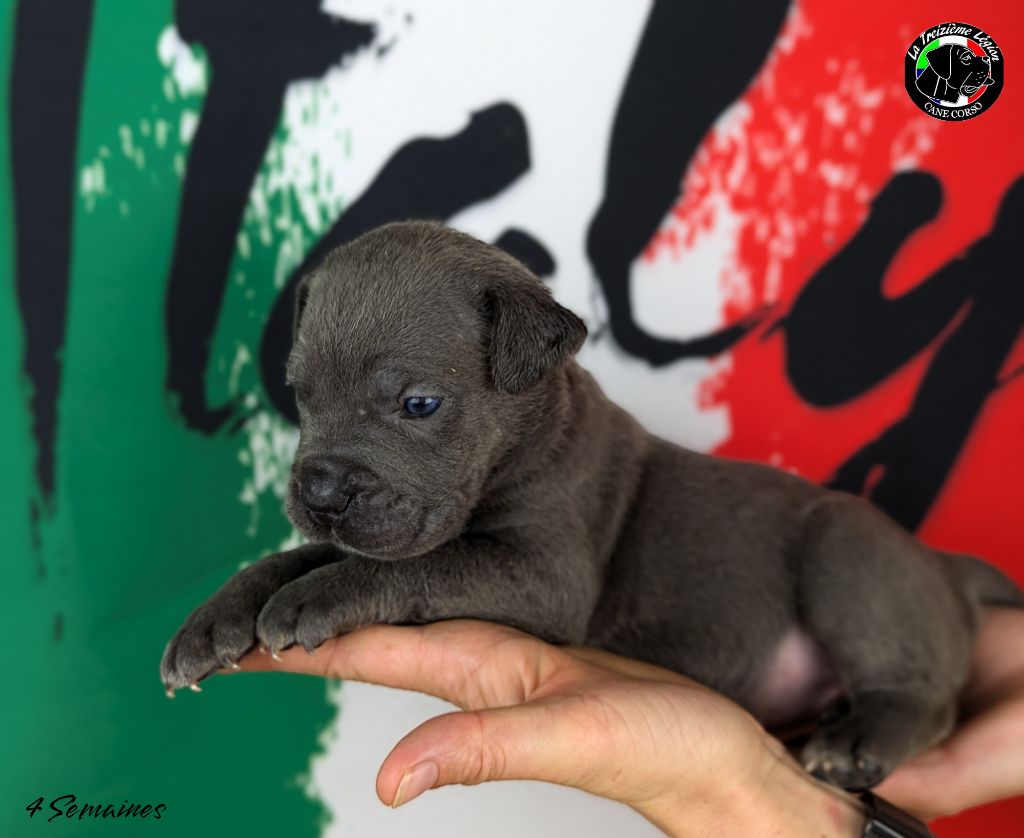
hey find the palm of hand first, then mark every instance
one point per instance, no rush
(536, 711)
(643, 735)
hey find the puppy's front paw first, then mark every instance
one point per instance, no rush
(308, 611)
(842, 757)
(214, 636)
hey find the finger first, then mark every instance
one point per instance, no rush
(470, 663)
(536, 741)
(983, 761)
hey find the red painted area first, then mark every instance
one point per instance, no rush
(799, 160)
(977, 50)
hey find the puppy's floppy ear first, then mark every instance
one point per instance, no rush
(940, 60)
(530, 333)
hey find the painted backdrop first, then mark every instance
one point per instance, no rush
(778, 255)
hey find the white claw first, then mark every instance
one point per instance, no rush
(275, 655)
(169, 693)
(234, 665)
(195, 688)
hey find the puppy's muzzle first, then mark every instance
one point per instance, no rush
(326, 488)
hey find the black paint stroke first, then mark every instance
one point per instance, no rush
(51, 39)
(916, 454)
(255, 49)
(524, 247)
(426, 178)
(693, 61)
(843, 334)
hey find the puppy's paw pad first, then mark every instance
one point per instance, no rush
(275, 627)
(299, 614)
(314, 629)
(211, 638)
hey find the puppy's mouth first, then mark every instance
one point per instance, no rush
(383, 550)
(335, 532)
(971, 89)
(382, 527)
(329, 520)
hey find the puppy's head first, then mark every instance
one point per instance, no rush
(421, 356)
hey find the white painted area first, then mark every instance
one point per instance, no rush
(271, 444)
(679, 295)
(187, 71)
(373, 719)
(664, 399)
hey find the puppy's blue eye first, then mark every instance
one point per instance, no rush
(420, 406)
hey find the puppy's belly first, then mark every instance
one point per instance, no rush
(797, 681)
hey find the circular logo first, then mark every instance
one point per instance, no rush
(954, 71)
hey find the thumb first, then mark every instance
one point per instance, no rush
(535, 741)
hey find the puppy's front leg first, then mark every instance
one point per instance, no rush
(223, 628)
(469, 579)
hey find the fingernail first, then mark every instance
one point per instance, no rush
(415, 781)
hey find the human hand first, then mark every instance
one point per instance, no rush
(688, 759)
(983, 760)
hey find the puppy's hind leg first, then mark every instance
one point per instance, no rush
(897, 630)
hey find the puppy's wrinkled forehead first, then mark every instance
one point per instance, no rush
(409, 290)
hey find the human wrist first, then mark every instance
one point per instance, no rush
(774, 796)
(793, 803)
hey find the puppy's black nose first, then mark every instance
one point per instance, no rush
(326, 489)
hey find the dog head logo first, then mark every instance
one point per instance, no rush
(954, 71)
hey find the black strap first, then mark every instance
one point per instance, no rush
(886, 821)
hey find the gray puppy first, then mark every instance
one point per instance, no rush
(455, 461)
